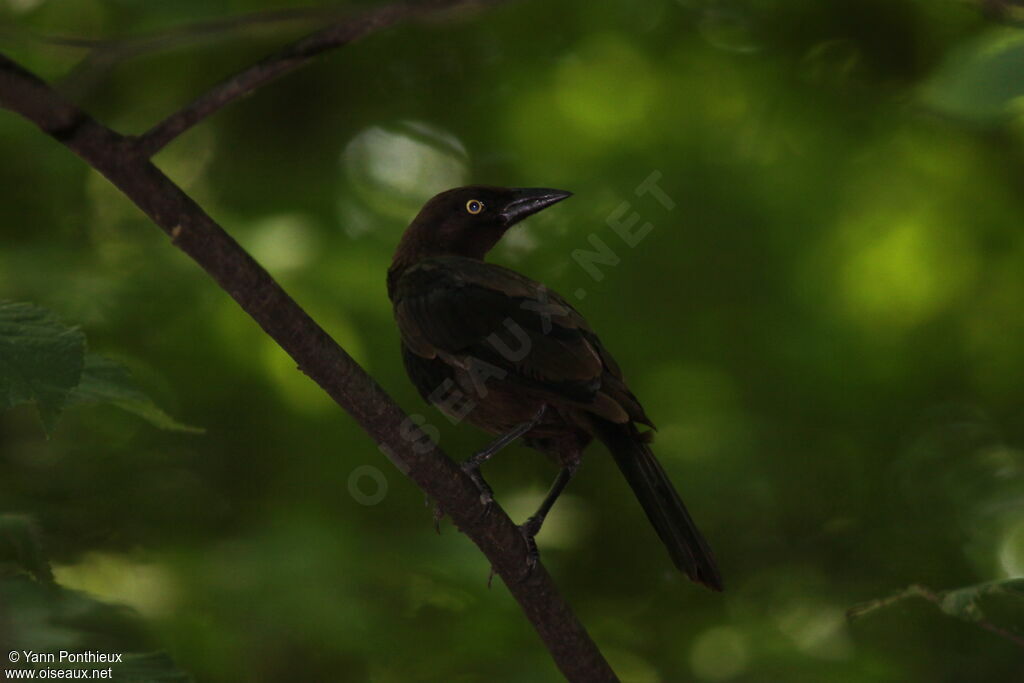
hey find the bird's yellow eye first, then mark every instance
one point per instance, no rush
(474, 206)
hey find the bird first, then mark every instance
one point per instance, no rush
(494, 348)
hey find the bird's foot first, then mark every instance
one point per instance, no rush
(472, 470)
(529, 529)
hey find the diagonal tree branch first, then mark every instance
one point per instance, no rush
(287, 59)
(316, 353)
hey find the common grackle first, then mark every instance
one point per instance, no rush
(490, 346)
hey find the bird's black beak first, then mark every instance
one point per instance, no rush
(528, 201)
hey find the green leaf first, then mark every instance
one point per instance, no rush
(22, 547)
(980, 82)
(41, 360)
(963, 603)
(52, 618)
(105, 380)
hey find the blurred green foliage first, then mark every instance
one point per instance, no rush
(826, 327)
(43, 361)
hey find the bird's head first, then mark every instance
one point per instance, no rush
(468, 221)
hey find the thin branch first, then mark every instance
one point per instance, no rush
(108, 52)
(287, 59)
(317, 355)
(175, 35)
(936, 598)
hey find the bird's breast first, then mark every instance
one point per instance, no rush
(480, 396)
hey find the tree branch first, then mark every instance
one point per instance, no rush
(175, 35)
(105, 53)
(315, 352)
(938, 598)
(287, 59)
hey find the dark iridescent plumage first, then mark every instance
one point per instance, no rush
(493, 347)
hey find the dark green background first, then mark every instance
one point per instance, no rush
(826, 328)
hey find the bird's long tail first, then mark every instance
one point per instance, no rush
(661, 502)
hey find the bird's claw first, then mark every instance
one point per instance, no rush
(486, 493)
(529, 530)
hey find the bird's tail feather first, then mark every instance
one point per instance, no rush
(661, 502)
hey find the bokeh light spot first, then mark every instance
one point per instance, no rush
(23, 6)
(816, 628)
(283, 242)
(719, 654)
(566, 527)
(395, 169)
(900, 268)
(1011, 550)
(632, 668)
(606, 88)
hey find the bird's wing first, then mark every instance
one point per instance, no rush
(463, 311)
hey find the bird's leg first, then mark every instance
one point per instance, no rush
(471, 466)
(531, 527)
